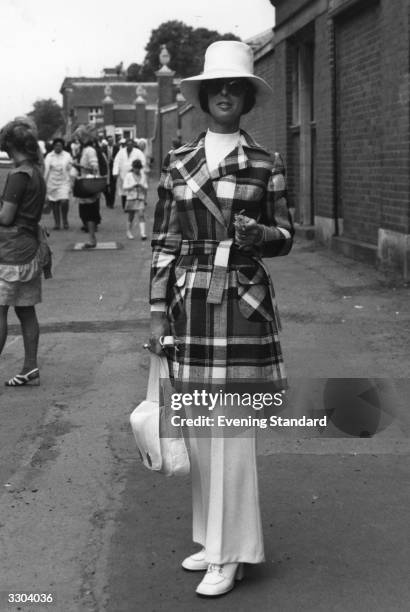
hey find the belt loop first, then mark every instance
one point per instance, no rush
(218, 276)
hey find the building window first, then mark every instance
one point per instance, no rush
(128, 133)
(95, 114)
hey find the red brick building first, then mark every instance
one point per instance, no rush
(341, 114)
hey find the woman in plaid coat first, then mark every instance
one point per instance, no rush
(221, 208)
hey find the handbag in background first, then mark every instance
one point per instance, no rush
(89, 186)
(166, 455)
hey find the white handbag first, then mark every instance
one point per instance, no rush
(168, 456)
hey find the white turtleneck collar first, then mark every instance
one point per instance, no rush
(217, 147)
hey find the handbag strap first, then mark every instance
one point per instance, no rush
(158, 369)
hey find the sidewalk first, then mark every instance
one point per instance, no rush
(82, 518)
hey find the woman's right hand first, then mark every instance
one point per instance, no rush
(159, 327)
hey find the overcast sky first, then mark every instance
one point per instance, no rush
(42, 42)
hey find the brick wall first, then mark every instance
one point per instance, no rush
(323, 179)
(286, 8)
(81, 113)
(260, 122)
(125, 116)
(292, 136)
(359, 121)
(193, 121)
(395, 110)
(280, 87)
(161, 146)
(293, 169)
(169, 129)
(274, 137)
(373, 115)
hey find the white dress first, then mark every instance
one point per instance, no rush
(135, 187)
(57, 175)
(123, 163)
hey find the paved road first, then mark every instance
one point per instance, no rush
(80, 517)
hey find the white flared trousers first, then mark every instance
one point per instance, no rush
(225, 498)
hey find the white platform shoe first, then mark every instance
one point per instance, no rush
(220, 579)
(196, 562)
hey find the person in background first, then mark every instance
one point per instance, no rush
(103, 166)
(75, 148)
(112, 150)
(58, 164)
(123, 164)
(20, 267)
(135, 187)
(89, 208)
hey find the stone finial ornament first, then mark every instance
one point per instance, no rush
(141, 93)
(107, 91)
(164, 59)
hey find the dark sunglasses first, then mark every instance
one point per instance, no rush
(234, 87)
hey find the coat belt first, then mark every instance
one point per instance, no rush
(218, 277)
(221, 251)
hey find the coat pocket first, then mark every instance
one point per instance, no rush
(254, 298)
(177, 294)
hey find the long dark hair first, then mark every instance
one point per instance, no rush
(21, 135)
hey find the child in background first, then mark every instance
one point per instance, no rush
(135, 186)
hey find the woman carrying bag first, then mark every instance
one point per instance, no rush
(221, 208)
(88, 207)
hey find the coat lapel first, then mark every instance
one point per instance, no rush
(190, 162)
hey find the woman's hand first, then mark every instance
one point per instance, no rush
(159, 327)
(248, 232)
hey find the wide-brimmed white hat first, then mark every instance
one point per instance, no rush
(226, 59)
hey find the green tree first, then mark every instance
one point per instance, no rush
(48, 117)
(186, 46)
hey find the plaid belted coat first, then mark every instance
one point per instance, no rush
(219, 299)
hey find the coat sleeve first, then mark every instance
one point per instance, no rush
(166, 237)
(277, 224)
(116, 164)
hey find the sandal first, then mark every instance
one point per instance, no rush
(89, 245)
(31, 378)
